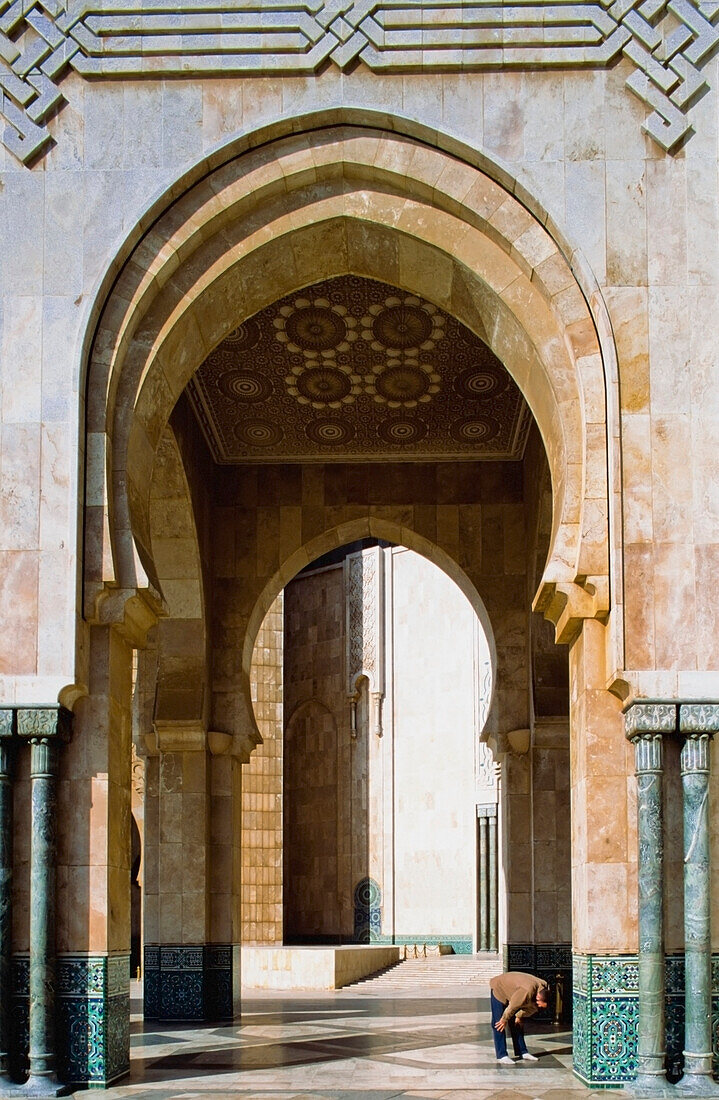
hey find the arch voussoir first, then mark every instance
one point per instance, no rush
(271, 221)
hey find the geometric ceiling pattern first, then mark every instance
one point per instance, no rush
(354, 368)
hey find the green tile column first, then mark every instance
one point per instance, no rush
(646, 725)
(697, 723)
(6, 731)
(45, 729)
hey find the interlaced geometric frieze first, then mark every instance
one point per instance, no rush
(668, 42)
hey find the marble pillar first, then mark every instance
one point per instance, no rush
(493, 885)
(487, 878)
(483, 868)
(6, 855)
(646, 725)
(45, 729)
(697, 724)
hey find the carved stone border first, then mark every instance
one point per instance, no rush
(668, 42)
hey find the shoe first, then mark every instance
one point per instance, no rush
(506, 1061)
(529, 1057)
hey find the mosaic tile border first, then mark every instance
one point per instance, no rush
(195, 982)
(606, 1001)
(92, 1005)
(461, 945)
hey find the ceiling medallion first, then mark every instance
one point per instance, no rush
(265, 402)
(245, 337)
(403, 324)
(474, 430)
(244, 385)
(480, 383)
(258, 433)
(330, 431)
(315, 327)
(402, 383)
(399, 430)
(323, 385)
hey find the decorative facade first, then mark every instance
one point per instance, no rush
(278, 278)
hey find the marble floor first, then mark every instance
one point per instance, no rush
(348, 1045)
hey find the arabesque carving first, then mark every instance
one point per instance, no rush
(668, 42)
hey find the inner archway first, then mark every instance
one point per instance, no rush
(380, 688)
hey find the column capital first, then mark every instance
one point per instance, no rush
(695, 753)
(650, 718)
(45, 723)
(6, 723)
(648, 755)
(699, 718)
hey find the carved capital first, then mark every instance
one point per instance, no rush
(649, 717)
(699, 717)
(695, 754)
(44, 723)
(6, 723)
(648, 757)
(44, 758)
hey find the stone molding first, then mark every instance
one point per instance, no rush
(133, 612)
(180, 737)
(193, 737)
(667, 42)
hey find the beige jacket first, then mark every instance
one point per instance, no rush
(518, 992)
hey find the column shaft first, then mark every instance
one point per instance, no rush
(492, 844)
(651, 1048)
(43, 773)
(697, 940)
(483, 909)
(5, 902)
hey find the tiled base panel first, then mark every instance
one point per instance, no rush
(605, 1017)
(551, 961)
(92, 1002)
(192, 983)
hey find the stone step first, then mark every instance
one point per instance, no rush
(431, 972)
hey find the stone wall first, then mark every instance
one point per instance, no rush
(262, 809)
(323, 822)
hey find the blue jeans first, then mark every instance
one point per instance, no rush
(500, 1037)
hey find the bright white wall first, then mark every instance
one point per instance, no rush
(433, 697)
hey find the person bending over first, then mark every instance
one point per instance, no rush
(513, 997)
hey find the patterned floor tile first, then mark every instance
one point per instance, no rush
(341, 1046)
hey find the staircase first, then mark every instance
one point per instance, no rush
(438, 973)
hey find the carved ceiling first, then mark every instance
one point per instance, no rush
(353, 368)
